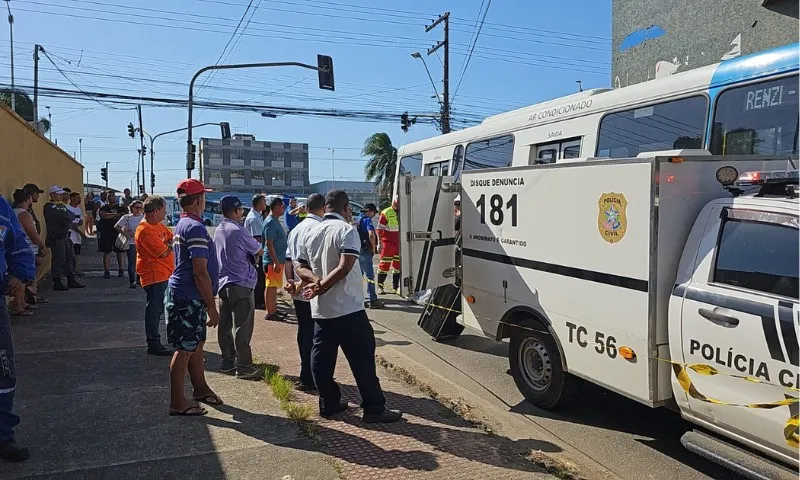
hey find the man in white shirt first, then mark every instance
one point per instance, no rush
(254, 223)
(302, 307)
(328, 265)
(73, 202)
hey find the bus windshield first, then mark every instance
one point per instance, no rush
(757, 119)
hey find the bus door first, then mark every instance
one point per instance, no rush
(427, 232)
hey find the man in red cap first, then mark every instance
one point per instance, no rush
(189, 302)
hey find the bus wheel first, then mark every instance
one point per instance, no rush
(536, 367)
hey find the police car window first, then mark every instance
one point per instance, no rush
(411, 165)
(492, 153)
(758, 256)
(758, 119)
(676, 124)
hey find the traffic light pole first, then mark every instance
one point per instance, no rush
(141, 159)
(189, 154)
(106, 175)
(153, 151)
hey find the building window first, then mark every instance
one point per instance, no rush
(237, 174)
(758, 256)
(279, 175)
(758, 119)
(257, 174)
(297, 175)
(671, 125)
(214, 177)
(492, 153)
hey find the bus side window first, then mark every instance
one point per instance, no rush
(458, 155)
(490, 153)
(655, 127)
(411, 165)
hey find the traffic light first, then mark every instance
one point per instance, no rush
(130, 130)
(152, 180)
(404, 122)
(190, 160)
(144, 149)
(104, 173)
(141, 189)
(325, 72)
(226, 130)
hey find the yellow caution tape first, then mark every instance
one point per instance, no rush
(791, 431)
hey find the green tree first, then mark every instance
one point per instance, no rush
(24, 107)
(382, 163)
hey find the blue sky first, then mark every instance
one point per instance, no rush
(526, 52)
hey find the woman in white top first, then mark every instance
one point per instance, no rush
(127, 226)
(23, 201)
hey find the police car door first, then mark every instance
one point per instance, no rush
(427, 233)
(740, 316)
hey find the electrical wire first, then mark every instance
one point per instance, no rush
(472, 49)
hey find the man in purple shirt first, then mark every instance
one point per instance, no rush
(237, 251)
(189, 302)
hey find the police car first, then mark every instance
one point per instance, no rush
(670, 278)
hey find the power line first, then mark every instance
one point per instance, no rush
(474, 42)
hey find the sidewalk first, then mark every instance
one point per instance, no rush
(94, 405)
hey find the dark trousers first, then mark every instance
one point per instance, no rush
(62, 260)
(8, 377)
(152, 313)
(305, 340)
(261, 285)
(236, 321)
(354, 334)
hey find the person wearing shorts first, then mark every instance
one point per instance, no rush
(274, 257)
(189, 303)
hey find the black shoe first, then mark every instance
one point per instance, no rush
(133, 285)
(387, 416)
(121, 273)
(58, 286)
(306, 388)
(159, 352)
(106, 274)
(376, 304)
(11, 452)
(330, 413)
(71, 283)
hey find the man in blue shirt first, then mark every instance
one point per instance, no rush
(254, 223)
(16, 258)
(369, 239)
(274, 257)
(291, 215)
(236, 252)
(189, 303)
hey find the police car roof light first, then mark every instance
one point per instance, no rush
(768, 177)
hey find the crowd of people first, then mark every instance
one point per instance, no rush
(317, 256)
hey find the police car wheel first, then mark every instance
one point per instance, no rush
(535, 364)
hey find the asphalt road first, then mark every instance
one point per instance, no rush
(627, 438)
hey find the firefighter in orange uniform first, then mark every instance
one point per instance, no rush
(389, 233)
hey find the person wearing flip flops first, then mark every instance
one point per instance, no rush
(274, 257)
(189, 303)
(16, 258)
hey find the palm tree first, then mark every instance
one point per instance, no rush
(382, 162)
(24, 107)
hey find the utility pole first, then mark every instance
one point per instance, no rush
(80, 149)
(141, 146)
(11, 32)
(36, 49)
(106, 175)
(445, 18)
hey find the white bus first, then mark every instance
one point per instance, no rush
(746, 105)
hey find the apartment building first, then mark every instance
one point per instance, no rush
(244, 164)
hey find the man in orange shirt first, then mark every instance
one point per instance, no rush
(154, 264)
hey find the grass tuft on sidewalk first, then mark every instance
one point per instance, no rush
(283, 390)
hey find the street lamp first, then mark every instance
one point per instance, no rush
(418, 55)
(11, 33)
(80, 149)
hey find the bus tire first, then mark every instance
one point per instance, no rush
(536, 366)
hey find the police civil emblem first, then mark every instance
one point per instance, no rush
(612, 220)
